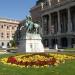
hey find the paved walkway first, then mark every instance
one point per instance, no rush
(3, 52)
(53, 50)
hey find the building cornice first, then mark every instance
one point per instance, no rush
(34, 7)
(9, 20)
(58, 7)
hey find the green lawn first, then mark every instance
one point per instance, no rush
(63, 69)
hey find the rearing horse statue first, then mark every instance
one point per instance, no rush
(30, 26)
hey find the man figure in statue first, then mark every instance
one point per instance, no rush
(30, 26)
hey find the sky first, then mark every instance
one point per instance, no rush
(15, 9)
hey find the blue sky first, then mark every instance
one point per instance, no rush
(15, 9)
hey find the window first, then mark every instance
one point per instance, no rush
(12, 27)
(46, 3)
(2, 34)
(64, 21)
(12, 35)
(7, 35)
(2, 43)
(46, 23)
(54, 22)
(7, 27)
(8, 44)
(46, 42)
(2, 26)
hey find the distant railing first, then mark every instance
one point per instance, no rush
(46, 5)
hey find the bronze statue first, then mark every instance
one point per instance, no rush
(31, 27)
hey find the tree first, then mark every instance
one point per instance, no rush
(13, 43)
(39, 1)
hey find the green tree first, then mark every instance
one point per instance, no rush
(13, 43)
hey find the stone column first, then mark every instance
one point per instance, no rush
(59, 42)
(59, 26)
(69, 21)
(58, 0)
(69, 42)
(49, 2)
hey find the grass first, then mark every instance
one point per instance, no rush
(63, 69)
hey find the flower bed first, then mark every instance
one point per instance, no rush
(36, 60)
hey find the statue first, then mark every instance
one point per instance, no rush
(31, 40)
(30, 26)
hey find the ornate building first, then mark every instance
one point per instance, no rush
(58, 22)
(7, 30)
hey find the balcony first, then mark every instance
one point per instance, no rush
(55, 3)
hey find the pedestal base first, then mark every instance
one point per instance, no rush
(31, 43)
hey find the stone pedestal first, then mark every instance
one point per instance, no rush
(31, 43)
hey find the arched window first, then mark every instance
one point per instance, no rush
(8, 45)
(2, 26)
(12, 27)
(2, 34)
(7, 27)
(2, 43)
(46, 42)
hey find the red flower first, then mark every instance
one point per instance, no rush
(12, 60)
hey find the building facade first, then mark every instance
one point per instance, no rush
(36, 15)
(7, 31)
(58, 23)
(36, 12)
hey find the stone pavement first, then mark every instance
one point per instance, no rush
(53, 50)
(3, 52)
